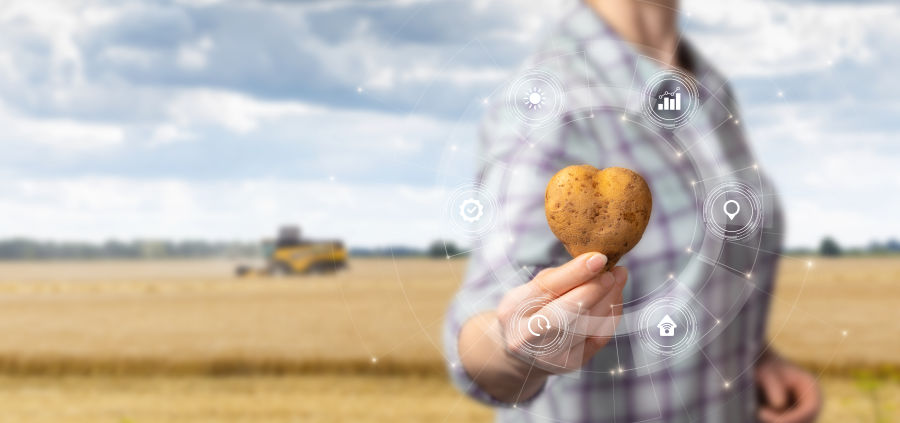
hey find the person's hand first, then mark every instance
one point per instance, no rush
(563, 316)
(789, 393)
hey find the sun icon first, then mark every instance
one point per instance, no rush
(535, 99)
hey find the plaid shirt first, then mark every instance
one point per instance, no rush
(600, 73)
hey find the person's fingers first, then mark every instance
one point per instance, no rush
(583, 297)
(611, 307)
(774, 389)
(802, 386)
(621, 274)
(558, 281)
(588, 305)
(768, 415)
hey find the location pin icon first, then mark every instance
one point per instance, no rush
(737, 209)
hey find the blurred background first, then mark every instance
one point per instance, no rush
(228, 211)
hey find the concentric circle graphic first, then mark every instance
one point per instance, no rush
(670, 98)
(667, 327)
(732, 211)
(540, 334)
(472, 209)
(537, 97)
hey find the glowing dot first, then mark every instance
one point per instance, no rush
(737, 122)
(485, 101)
(809, 264)
(331, 178)
(530, 145)
(749, 275)
(621, 370)
(515, 405)
(718, 321)
(730, 116)
(671, 276)
(448, 257)
(623, 117)
(688, 14)
(688, 249)
(453, 147)
(580, 304)
(359, 89)
(829, 63)
(374, 360)
(755, 166)
(843, 333)
(452, 365)
(727, 384)
(693, 183)
(781, 94)
(678, 154)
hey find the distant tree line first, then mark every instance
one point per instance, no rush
(26, 249)
(829, 247)
(438, 249)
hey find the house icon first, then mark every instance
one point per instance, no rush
(667, 326)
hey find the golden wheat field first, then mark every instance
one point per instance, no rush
(185, 341)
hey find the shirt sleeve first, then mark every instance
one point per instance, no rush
(516, 171)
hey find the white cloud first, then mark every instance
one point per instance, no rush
(833, 179)
(193, 56)
(169, 133)
(237, 112)
(97, 208)
(60, 134)
(777, 38)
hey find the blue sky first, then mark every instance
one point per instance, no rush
(221, 120)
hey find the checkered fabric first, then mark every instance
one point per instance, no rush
(602, 126)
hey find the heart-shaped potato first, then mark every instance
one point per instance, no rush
(598, 210)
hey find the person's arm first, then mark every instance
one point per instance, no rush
(490, 344)
(790, 394)
(504, 376)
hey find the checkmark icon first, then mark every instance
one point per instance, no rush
(471, 210)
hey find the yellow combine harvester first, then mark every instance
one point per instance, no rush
(292, 255)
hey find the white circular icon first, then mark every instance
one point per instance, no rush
(667, 326)
(541, 323)
(544, 339)
(471, 210)
(732, 211)
(536, 97)
(670, 98)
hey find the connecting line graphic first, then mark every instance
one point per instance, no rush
(571, 340)
(665, 93)
(703, 137)
(680, 395)
(711, 364)
(519, 395)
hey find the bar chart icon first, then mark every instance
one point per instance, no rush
(670, 101)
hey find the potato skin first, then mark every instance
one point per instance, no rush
(598, 210)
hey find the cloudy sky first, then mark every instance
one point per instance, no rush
(221, 120)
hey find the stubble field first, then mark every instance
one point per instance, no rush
(184, 341)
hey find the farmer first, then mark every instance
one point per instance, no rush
(732, 377)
